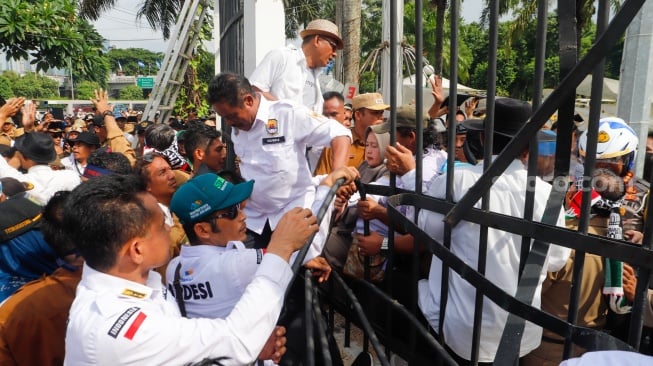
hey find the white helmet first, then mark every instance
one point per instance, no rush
(615, 139)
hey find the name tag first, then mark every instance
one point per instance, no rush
(274, 140)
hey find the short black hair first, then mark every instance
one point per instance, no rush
(333, 94)
(199, 136)
(113, 161)
(51, 226)
(159, 136)
(230, 88)
(100, 215)
(141, 167)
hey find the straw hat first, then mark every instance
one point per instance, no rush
(323, 27)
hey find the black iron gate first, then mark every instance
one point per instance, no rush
(536, 235)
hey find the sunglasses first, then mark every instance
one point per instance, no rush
(232, 213)
(333, 44)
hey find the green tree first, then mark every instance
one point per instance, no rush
(128, 59)
(49, 33)
(84, 90)
(5, 88)
(131, 92)
(35, 86)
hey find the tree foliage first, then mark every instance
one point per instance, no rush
(128, 59)
(131, 92)
(49, 34)
(35, 86)
(5, 88)
(84, 90)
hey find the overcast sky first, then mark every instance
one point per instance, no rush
(122, 30)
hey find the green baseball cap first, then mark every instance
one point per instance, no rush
(205, 194)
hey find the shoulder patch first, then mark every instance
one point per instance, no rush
(122, 321)
(317, 116)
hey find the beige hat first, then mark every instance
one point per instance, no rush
(373, 101)
(406, 117)
(323, 27)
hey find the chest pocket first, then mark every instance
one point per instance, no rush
(280, 156)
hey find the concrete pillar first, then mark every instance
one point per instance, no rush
(636, 80)
(264, 30)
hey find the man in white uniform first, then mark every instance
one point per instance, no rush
(270, 138)
(120, 314)
(507, 197)
(35, 151)
(216, 267)
(290, 73)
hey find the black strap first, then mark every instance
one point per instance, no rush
(179, 292)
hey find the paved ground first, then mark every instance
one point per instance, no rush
(350, 353)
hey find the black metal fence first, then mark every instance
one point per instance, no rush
(400, 327)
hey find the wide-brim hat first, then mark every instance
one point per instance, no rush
(323, 27)
(509, 117)
(205, 194)
(406, 117)
(37, 146)
(373, 101)
(86, 137)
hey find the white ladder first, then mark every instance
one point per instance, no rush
(170, 77)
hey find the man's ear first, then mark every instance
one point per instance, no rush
(198, 154)
(248, 100)
(202, 230)
(133, 249)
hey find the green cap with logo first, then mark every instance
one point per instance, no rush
(205, 194)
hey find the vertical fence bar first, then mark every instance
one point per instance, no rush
(564, 124)
(419, 152)
(538, 85)
(393, 138)
(487, 161)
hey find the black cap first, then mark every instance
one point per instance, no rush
(88, 138)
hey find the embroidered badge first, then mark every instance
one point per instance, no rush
(133, 328)
(121, 321)
(272, 127)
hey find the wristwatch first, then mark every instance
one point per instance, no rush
(107, 112)
(384, 244)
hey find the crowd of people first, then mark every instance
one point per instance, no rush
(128, 242)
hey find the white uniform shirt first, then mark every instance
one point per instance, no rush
(45, 180)
(507, 197)
(70, 163)
(115, 321)
(272, 153)
(284, 73)
(213, 278)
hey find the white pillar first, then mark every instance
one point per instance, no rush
(636, 80)
(385, 55)
(264, 30)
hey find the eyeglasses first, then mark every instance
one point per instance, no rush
(333, 44)
(232, 213)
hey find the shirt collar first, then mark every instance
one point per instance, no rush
(263, 111)
(119, 287)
